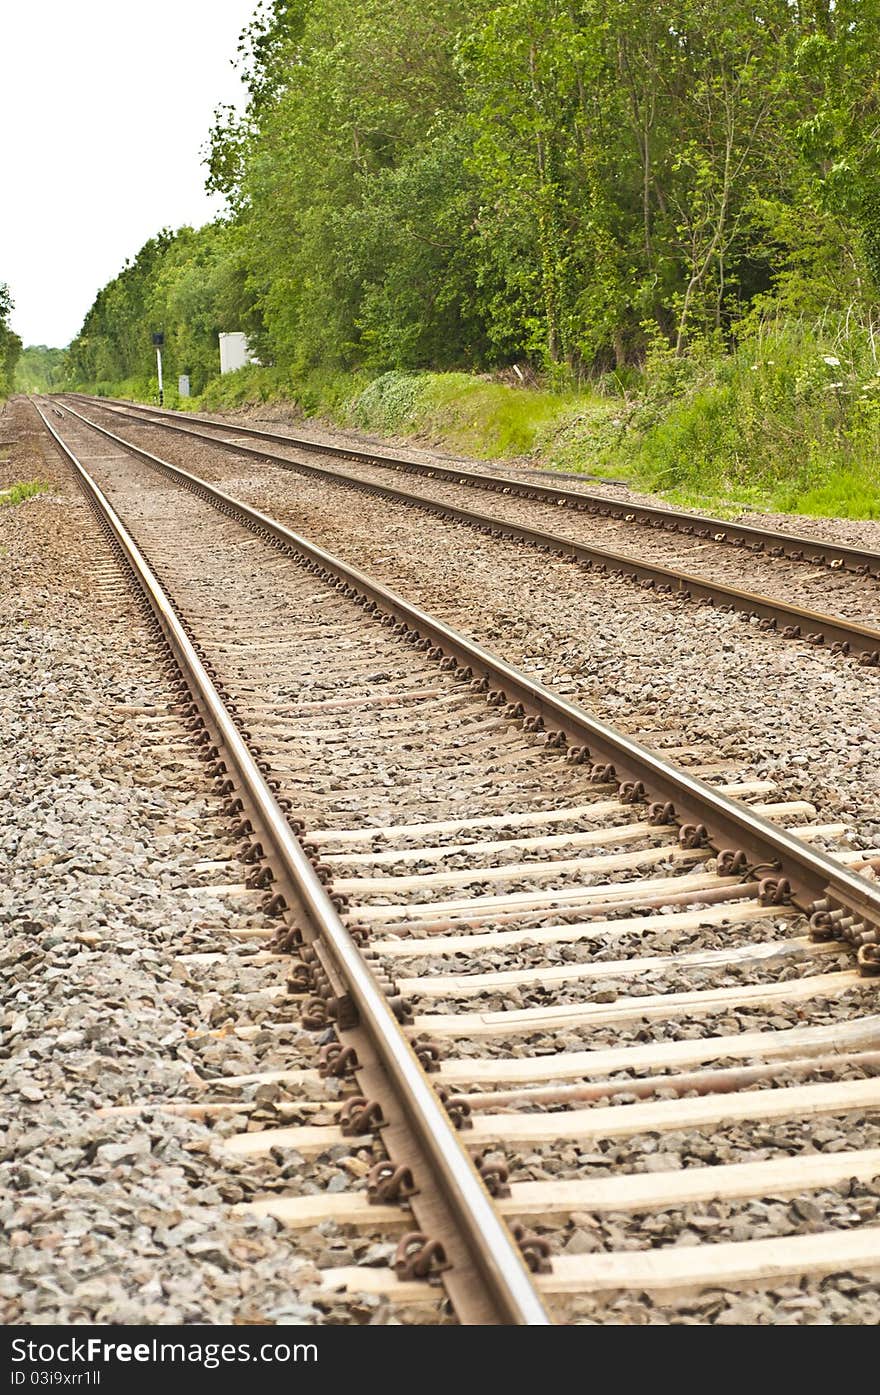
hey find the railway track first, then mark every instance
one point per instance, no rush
(590, 952)
(811, 550)
(823, 594)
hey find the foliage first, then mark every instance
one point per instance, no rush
(482, 417)
(187, 285)
(791, 417)
(630, 198)
(542, 178)
(473, 184)
(10, 344)
(23, 489)
(40, 369)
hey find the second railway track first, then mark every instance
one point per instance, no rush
(598, 959)
(809, 590)
(776, 542)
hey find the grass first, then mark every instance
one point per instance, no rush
(473, 415)
(245, 388)
(24, 489)
(787, 420)
(788, 424)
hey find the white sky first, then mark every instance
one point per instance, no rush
(104, 107)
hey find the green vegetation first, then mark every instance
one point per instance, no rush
(10, 344)
(663, 215)
(790, 418)
(473, 415)
(186, 285)
(25, 489)
(756, 426)
(40, 369)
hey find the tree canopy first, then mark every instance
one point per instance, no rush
(470, 184)
(10, 344)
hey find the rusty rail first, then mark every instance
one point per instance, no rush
(774, 541)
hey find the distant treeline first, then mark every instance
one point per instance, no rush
(10, 344)
(41, 369)
(565, 182)
(189, 285)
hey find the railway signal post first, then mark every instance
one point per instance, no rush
(158, 342)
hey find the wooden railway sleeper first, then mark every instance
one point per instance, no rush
(773, 888)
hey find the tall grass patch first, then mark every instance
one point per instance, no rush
(790, 419)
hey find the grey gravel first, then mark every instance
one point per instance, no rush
(453, 569)
(107, 822)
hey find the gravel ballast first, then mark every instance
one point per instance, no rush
(140, 908)
(113, 844)
(709, 689)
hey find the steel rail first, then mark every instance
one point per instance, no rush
(797, 547)
(813, 627)
(816, 879)
(489, 1244)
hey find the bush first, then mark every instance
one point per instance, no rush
(790, 418)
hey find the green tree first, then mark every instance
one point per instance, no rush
(41, 369)
(576, 182)
(10, 344)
